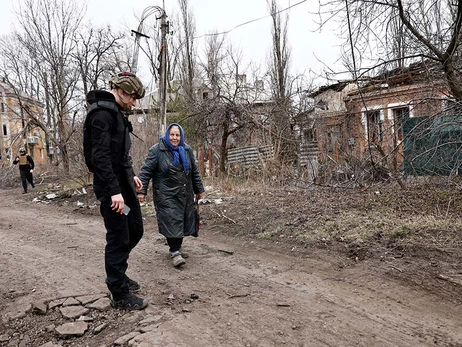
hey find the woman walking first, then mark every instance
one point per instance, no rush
(176, 182)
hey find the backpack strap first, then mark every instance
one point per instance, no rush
(109, 105)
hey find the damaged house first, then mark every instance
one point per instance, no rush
(19, 129)
(353, 123)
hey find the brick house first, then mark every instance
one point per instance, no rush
(18, 130)
(351, 121)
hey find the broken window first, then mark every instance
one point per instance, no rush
(399, 116)
(375, 125)
(333, 138)
(309, 135)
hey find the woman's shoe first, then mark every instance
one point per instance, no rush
(184, 255)
(177, 260)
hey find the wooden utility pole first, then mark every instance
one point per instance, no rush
(138, 35)
(164, 27)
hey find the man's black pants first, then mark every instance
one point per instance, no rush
(26, 176)
(123, 232)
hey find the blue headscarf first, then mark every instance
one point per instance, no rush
(179, 152)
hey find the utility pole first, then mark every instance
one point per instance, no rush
(138, 35)
(164, 27)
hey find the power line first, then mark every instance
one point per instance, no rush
(250, 21)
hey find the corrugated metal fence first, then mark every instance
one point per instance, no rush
(250, 155)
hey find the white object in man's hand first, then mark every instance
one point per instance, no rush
(126, 209)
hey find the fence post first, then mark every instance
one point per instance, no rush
(210, 156)
(201, 161)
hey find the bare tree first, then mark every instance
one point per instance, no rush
(48, 32)
(227, 109)
(94, 48)
(214, 55)
(384, 32)
(279, 78)
(187, 51)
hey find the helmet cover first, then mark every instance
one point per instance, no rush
(129, 83)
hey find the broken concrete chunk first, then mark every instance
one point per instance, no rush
(102, 304)
(100, 328)
(121, 341)
(55, 303)
(86, 299)
(151, 319)
(50, 344)
(39, 308)
(72, 329)
(72, 312)
(71, 302)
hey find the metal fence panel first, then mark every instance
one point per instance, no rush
(433, 145)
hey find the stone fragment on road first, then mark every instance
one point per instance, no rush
(72, 329)
(71, 302)
(100, 328)
(124, 339)
(39, 308)
(55, 303)
(72, 312)
(102, 304)
(50, 344)
(151, 319)
(87, 299)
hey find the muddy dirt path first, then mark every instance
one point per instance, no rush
(247, 293)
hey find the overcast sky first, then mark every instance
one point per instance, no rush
(310, 48)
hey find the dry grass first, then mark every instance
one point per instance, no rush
(425, 215)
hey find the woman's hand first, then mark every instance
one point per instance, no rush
(138, 183)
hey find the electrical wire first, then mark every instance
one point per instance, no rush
(249, 22)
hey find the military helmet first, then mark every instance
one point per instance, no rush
(22, 150)
(129, 83)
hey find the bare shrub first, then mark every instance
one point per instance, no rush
(9, 176)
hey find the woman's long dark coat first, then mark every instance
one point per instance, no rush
(173, 190)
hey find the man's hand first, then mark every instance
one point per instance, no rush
(138, 184)
(118, 203)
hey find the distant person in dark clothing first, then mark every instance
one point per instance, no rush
(176, 182)
(26, 168)
(106, 147)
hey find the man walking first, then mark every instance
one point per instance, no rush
(106, 147)
(26, 168)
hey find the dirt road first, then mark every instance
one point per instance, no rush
(233, 291)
